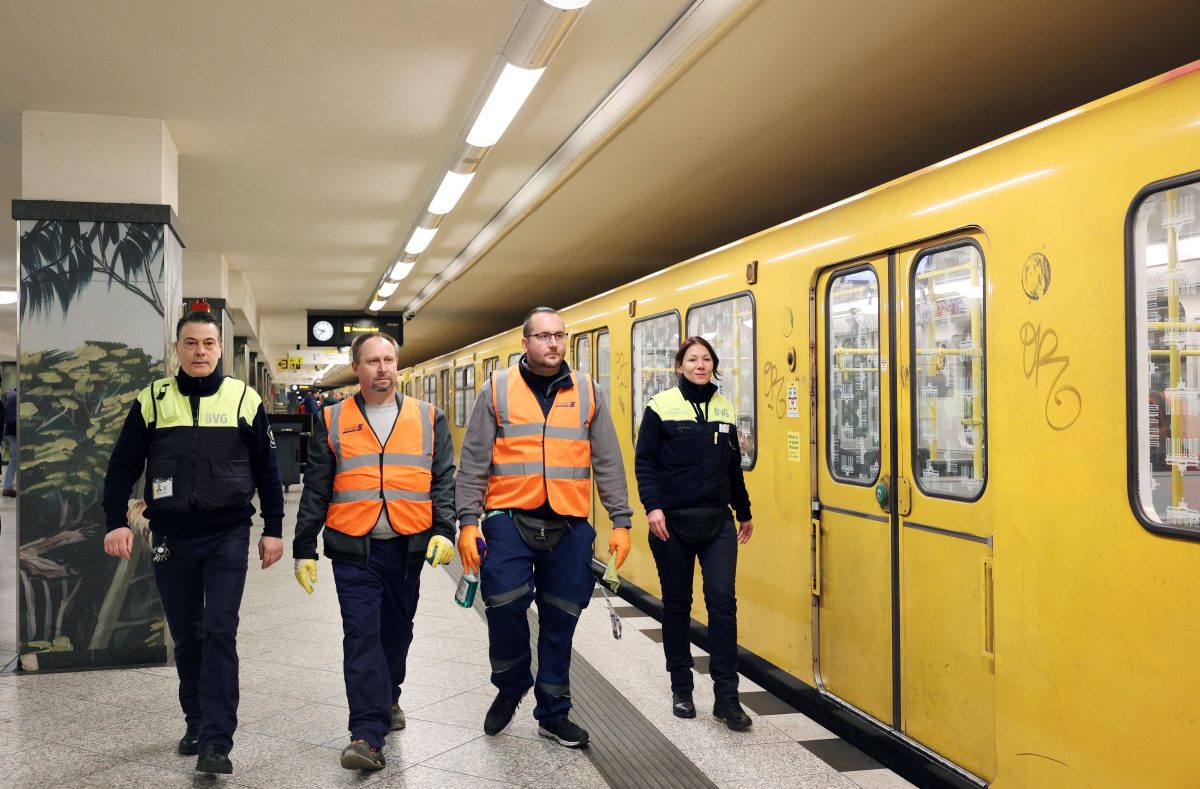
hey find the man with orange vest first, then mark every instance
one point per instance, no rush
(538, 433)
(380, 479)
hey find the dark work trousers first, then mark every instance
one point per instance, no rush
(676, 561)
(563, 579)
(201, 585)
(378, 604)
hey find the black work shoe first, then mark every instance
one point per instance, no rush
(732, 714)
(500, 714)
(682, 706)
(358, 755)
(214, 759)
(565, 732)
(189, 744)
(398, 721)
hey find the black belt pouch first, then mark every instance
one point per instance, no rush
(539, 534)
(697, 524)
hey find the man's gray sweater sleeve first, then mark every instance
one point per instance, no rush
(442, 487)
(608, 469)
(475, 460)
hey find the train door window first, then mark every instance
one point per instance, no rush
(513, 358)
(489, 366)
(654, 342)
(431, 389)
(604, 364)
(445, 389)
(728, 325)
(853, 376)
(1164, 274)
(408, 388)
(464, 394)
(949, 421)
(583, 353)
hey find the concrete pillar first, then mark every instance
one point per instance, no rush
(101, 288)
(206, 278)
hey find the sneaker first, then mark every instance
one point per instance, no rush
(500, 714)
(358, 755)
(398, 721)
(189, 744)
(565, 732)
(732, 715)
(12, 494)
(682, 706)
(214, 759)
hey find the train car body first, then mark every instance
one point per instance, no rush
(967, 401)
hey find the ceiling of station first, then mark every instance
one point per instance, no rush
(310, 134)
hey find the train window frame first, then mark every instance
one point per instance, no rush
(687, 332)
(957, 243)
(602, 331)
(515, 358)
(576, 341)
(830, 466)
(463, 388)
(1133, 435)
(636, 417)
(430, 391)
(445, 388)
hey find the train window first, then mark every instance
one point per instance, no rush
(583, 353)
(1164, 268)
(604, 365)
(852, 334)
(444, 390)
(513, 358)
(728, 325)
(948, 373)
(464, 394)
(431, 389)
(408, 388)
(489, 366)
(654, 342)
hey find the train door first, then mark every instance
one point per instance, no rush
(902, 581)
(852, 585)
(590, 353)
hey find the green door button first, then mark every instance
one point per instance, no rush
(882, 497)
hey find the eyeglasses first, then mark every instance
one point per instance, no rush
(545, 337)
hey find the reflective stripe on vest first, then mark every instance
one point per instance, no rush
(535, 458)
(369, 476)
(672, 406)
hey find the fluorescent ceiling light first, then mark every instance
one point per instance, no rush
(509, 93)
(378, 304)
(420, 239)
(567, 5)
(8, 297)
(387, 289)
(401, 270)
(452, 188)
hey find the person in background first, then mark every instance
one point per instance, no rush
(311, 406)
(10, 438)
(205, 445)
(380, 481)
(536, 435)
(688, 463)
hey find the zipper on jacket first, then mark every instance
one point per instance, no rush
(195, 447)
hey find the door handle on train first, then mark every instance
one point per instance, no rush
(988, 605)
(815, 532)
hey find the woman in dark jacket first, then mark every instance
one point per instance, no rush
(689, 473)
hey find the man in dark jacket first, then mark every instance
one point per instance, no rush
(380, 481)
(205, 444)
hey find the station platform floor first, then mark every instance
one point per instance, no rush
(119, 728)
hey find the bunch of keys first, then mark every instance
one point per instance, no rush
(161, 553)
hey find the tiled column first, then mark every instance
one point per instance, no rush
(100, 283)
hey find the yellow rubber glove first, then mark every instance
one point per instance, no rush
(440, 551)
(468, 548)
(306, 573)
(618, 544)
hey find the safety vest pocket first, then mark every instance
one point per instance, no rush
(230, 483)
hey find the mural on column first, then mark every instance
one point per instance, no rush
(99, 301)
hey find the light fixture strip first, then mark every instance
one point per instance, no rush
(508, 94)
(387, 289)
(401, 270)
(450, 192)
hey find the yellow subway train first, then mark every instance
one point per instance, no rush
(969, 402)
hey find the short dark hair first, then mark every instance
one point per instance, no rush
(361, 338)
(529, 318)
(696, 339)
(198, 316)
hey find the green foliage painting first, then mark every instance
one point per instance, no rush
(73, 401)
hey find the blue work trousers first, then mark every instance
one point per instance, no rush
(378, 604)
(563, 580)
(676, 561)
(201, 585)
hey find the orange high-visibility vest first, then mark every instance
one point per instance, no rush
(537, 459)
(369, 476)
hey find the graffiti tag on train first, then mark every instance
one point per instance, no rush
(622, 369)
(774, 391)
(1064, 403)
(1035, 276)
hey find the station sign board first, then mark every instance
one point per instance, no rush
(334, 329)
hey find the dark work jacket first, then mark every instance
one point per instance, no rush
(318, 491)
(678, 465)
